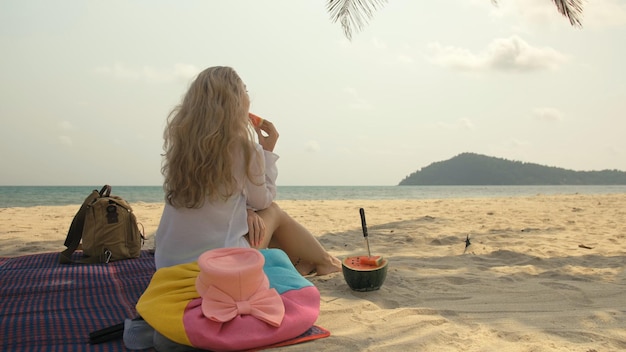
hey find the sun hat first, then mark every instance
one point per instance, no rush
(231, 282)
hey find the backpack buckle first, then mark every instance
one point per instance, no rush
(107, 256)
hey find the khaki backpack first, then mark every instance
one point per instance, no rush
(108, 229)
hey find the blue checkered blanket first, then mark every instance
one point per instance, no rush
(47, 306)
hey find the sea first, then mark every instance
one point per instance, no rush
(29, 196)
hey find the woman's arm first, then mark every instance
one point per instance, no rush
(260, 189)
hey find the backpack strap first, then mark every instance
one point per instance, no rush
(75, 233)
(105, 191)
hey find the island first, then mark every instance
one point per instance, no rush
(477, 169)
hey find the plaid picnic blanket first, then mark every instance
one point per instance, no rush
(47, 306)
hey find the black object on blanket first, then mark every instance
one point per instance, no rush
(107, 334)
(46, 306)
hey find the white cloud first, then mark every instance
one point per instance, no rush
(65, 140)
(516, 143)
(512, 149)
(118, 71)
(405, 59)
(313, 146)
(378, 44)
(383, 53)
(460, 124)
(453, 57)
(66, 126)
(538, 12)
(345, 151)
(356, 102)
(503, 54)
(604, 13)
(179, 72)
(185, 71)
(466, 124)
(613, 151)
(548, 114)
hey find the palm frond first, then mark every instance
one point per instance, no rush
(572, 9)
(352, 13)
(356, 13)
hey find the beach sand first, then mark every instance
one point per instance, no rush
(543, 273)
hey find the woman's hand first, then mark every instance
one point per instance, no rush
(268, 139)
(256, 229)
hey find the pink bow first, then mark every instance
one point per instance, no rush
(265, 305)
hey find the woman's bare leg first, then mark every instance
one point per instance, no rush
(282, 231)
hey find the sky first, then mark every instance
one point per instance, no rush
(86, 86)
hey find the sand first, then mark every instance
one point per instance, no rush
(543, 273)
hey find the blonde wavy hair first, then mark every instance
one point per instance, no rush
(204, 136)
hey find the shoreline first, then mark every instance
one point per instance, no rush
(28, 196)
(524, 284)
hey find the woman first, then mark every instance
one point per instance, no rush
(220, 184)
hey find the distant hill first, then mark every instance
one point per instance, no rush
(476, 169)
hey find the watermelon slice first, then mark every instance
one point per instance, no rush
(255, 119)
(364, 262)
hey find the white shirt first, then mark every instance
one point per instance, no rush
(184, 233)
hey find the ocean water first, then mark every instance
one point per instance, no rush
(28, 196)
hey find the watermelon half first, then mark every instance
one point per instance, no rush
(361, 276)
